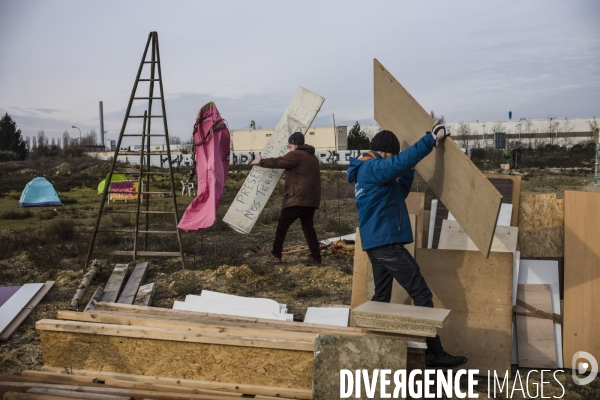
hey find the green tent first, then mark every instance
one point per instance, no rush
(116, 177)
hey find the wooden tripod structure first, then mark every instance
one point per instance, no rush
(150, 58)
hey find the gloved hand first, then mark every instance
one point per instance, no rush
(439, 131)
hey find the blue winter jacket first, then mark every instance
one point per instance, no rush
(381, 187)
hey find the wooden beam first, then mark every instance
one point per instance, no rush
(48, 377)
(133, 283)
(192, 383)
(70, 394)
(145, 295)
(172, 335)
(468, 194)
(114, 284)
(150, 321)
(198, 316)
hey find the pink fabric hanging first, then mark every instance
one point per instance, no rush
(211, 138)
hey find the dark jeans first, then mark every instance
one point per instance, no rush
(286, 218)
(395, 262)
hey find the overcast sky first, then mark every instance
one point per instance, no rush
(466, 60)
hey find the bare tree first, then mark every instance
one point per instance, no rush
(41, 138)
(463, 134)
(174, 140)
(594, 128)
(66, 139)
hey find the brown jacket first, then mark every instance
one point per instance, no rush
(302, 176)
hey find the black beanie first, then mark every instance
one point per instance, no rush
(385, 141)
(296, 138)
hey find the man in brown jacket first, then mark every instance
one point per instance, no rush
(302, 195)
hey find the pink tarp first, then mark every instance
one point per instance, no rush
(211, 138)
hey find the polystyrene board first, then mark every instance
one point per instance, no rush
(514, 354)
(214, 309)
(545, 272)
(417, 345)
(13, 306)
(503, 218)
(434, 204)
(327, 316)
(238, 302)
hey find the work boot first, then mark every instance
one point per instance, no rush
(444, 360)
(270, 259)
(312, 261)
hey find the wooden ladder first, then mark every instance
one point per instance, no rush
(143, 191)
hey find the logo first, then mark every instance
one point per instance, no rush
(582, 367)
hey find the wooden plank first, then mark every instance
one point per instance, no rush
(478, 291)
(150, 321)
(359, 274)
(415, 204)
(261, 182)
(16, 303)
(258, 390)
(535, 336)
(70, 394)
(172, 335)
(582, 275)
(48, 377)
(25, 311)
(545, 272)
(102, 389)
(114, 284)
(29, 396)
(133, 283)
(145, 295)
(467, 193)
(242, 321)
(453, 237)
(94, 299)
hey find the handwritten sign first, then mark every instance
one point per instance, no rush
(123, 190)
(261, 182)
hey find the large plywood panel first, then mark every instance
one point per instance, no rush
(466, 192)
(541, 225)
(478, 292)
(582, 275)
(500, 182)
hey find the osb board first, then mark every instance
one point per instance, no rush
(453, 237)
(535, 336)
(543, 242)
(541, 226)
(468, 194)
(234, 364)
(514, 197)
(581, 329)
(415, 204)
(537, 211)
(478, 292)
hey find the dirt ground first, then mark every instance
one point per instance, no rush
(43, 244)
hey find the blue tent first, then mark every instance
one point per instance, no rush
(39, 192)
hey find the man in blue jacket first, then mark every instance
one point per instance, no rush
(383, 177)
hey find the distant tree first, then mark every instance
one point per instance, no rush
(463, 134)
(594, 128)
(174, 140)
(66, 138)
(10, 137)
(41, 138)
(357, 139)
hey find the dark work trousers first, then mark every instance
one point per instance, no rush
(395, 262)
(286, 218)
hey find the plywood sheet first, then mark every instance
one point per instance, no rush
(541, 226)
(17, 302)
(359, 274)
(545, 272)
(582, 275)
(535, 336)
(261, 182)
(25, 311)
(478, 292)
(453, 237)
(467, 193)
